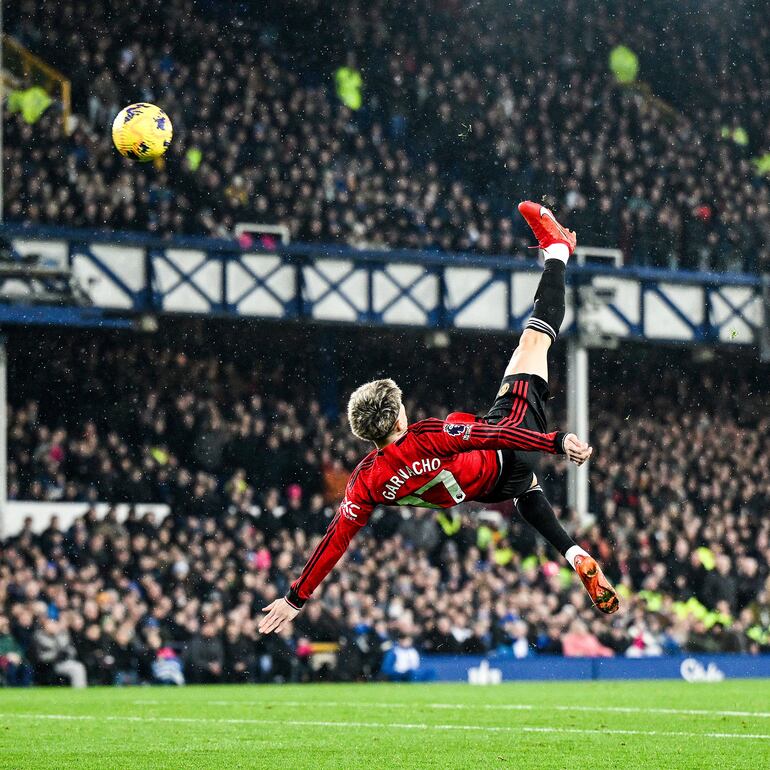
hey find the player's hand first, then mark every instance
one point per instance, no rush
(279, 613)
(577, 451)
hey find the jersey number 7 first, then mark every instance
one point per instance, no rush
(446, 478)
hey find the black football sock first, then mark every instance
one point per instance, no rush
(534, 508)
(549, 300)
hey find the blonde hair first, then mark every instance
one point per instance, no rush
(373, 409)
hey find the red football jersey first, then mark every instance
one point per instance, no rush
(435, 464)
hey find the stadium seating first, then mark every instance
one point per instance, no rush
(241, 451)
(459, 111)
(442, 144)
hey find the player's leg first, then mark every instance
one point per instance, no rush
(534, 508)
(531, 355)
(557, 243)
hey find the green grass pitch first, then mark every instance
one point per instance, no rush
(619, 725)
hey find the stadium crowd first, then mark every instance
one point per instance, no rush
(459, 119)
(251, 466)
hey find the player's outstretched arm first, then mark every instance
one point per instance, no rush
(452, 437)
(350, 518)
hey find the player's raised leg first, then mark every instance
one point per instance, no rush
(531, 357)
(557, 243)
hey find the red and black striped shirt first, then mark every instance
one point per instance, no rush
(435, 464)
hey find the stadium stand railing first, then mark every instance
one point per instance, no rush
(126, 274)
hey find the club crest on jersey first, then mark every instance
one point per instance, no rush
(347, 509)
(458, 429)
(506, 386)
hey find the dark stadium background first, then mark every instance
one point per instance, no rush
(237, 424)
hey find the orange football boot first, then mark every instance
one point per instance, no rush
(599, 588)
(545, 227)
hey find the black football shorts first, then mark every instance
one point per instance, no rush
(522, 399)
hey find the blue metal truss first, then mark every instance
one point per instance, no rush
(736, 312)
(698, 328)
(296, 280)
(261, 282)
(497, 276)
(634, 329)
(404, 292)
(83, 249)
(335, 287)
(184, 278)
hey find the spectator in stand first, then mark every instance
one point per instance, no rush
(579, 642)
(240, 660)
(402, 661)
(205, 656)
(515, 640)
(54, 652)
(15, 670)
(100, 667)
(126, 654)
(167, 667)
(549, 641)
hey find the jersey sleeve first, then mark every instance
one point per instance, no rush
(352, 515)
(448, 438)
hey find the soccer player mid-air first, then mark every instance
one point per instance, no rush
(440, 463)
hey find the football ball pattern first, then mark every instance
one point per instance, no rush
(142, 132)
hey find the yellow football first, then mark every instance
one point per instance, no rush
(142, 132)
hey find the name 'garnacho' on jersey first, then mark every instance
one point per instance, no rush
(403, 474)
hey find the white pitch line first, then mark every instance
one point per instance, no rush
(331, 703)
(607, 709)
(386, 725)
(482, 706)
(272, 704)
